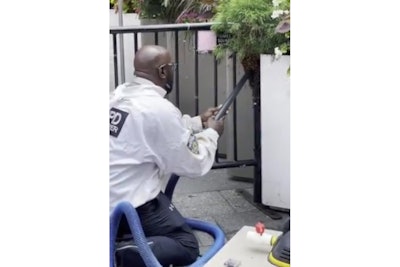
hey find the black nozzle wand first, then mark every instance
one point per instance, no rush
(228, 102)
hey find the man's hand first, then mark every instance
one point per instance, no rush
(216, 125)
(208, 113)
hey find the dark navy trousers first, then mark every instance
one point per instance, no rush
(170, 238)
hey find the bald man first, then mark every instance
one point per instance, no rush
(149, 140)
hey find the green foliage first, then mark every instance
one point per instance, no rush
(172, 9)
(282, 14)
(250, 24)
(129, 6)
(166, 10)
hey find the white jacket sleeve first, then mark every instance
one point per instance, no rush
(193, 123)
(176, 148)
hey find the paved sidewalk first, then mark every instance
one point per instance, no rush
(219, 199)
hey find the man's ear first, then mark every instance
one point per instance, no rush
(162, 73)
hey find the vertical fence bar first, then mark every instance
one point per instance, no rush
(216, 94)
(135, 41)
(215, 82)
(121, 42)
(257, 143)
(235, 150)
(156, 38)
(177, 68)
(196, 71)
(114, 36)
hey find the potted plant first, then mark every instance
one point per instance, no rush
(168, 11)
(275, 114)
(252, 31)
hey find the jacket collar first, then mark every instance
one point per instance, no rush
(142, 81)
(139, 86)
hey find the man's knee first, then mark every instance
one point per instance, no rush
(189, 243)
(192, 254)
(127, 254)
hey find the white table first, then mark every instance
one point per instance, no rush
(240, 249)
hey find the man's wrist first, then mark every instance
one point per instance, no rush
(202, 118)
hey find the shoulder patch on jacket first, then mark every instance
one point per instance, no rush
(117, 120)
(193, 145)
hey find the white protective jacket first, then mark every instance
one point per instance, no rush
(150, 140)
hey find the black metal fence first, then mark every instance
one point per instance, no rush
(194, 28)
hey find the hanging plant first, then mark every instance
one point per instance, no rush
(251, 29)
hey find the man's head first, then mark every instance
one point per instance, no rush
(153, 62)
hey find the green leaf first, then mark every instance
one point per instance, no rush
(250, 24)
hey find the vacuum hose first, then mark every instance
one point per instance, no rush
(125, 208)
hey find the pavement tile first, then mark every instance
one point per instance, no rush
(236, 200)
(215, 180)
(233, 222)
(200, 205)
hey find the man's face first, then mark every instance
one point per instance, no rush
(166, 72)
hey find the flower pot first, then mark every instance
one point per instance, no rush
(251, 64)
